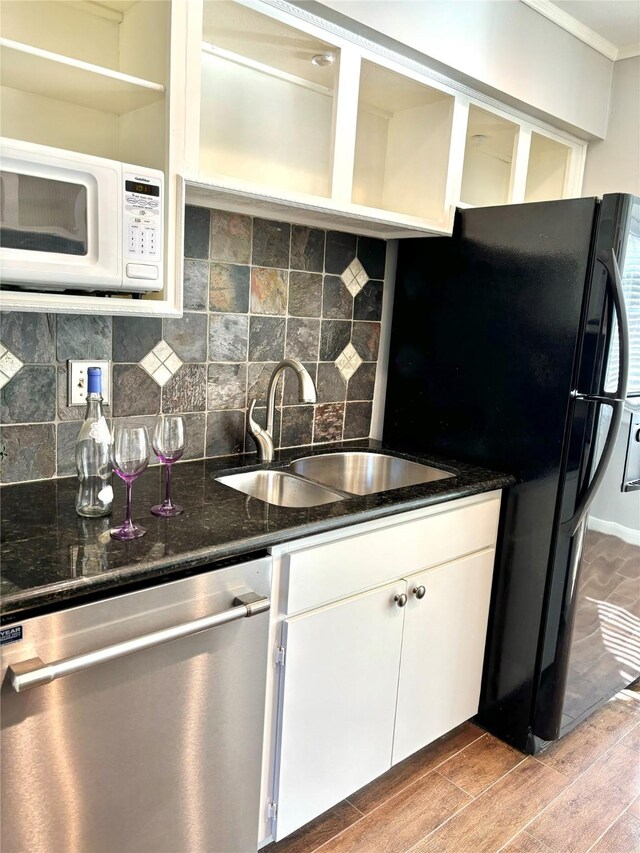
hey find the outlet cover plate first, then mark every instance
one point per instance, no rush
(77, 376)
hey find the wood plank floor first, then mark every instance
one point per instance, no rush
(470, 793)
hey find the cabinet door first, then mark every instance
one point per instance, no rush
(338, 702)
(442, 651)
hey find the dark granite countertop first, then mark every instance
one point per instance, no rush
(51, 558)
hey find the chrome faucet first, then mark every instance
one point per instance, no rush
(306, 394)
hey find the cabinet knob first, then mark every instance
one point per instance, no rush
(419, 591)
(401, 600)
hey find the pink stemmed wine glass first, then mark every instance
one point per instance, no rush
(169, 440)
(129, 457)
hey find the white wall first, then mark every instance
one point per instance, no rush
(613, 165)
(509, 49)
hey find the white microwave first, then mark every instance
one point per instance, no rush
(69, 221)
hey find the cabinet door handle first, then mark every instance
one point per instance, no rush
(401, 599)
(419, 591)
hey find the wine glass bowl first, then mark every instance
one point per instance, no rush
(129, 457)
(169, 442)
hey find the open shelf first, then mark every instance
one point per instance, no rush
(266, 109)
(488, 158)
(236, 196)
(87, 77)
(548, 164)
(130, 37)
(403, 140)
(51, 75)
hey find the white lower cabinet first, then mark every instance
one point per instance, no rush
(338, 702)
(370, 678)
(442, 650)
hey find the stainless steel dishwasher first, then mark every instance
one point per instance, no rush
(135, 723)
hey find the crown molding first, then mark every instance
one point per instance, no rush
(629, 51)
(420, 67)
(575, 27)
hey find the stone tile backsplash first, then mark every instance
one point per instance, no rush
(255, 291)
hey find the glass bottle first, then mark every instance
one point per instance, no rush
(93, 458)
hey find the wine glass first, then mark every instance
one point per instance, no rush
(129, 457)
(169, 438)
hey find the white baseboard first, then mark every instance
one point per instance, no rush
(627, 534)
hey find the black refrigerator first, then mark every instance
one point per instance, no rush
(515, 345)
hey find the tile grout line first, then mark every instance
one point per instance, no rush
(321, 319)
(396, 793)
(488, 788)
(623, 812)
(459, 787)
(208, 304)
(278, 443)
(571, 784)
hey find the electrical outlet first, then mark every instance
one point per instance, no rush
(77, 374)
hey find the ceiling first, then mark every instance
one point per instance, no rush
(611, 27)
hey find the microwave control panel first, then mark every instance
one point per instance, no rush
(143, 226)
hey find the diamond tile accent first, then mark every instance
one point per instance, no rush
(354, 277)
(348, 361)
(161, 363)
(162, 375)
(173, 363)
(9, 365)
(150, 363)
(162, 350)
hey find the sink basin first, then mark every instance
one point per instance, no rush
(275, 487)
(362, 473)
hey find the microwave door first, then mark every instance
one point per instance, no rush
(43, 215)
(60, 226)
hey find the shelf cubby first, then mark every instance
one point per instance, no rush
(490, 147)
(266, 110)
(547, 168)
(403, 140)
(87, 77)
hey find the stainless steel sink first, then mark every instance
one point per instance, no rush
(363, 473)
(276, 487)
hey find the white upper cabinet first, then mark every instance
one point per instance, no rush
(292, 117)
(510, 161)
(266, 102)
(106, 79)
(299, 123)
(265, 110)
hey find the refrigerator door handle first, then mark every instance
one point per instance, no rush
(614, 286)
(615, 400)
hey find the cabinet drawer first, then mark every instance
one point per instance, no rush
(323, 573)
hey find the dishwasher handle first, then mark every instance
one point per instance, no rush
(34, 672)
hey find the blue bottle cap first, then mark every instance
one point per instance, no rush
(94, 380)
